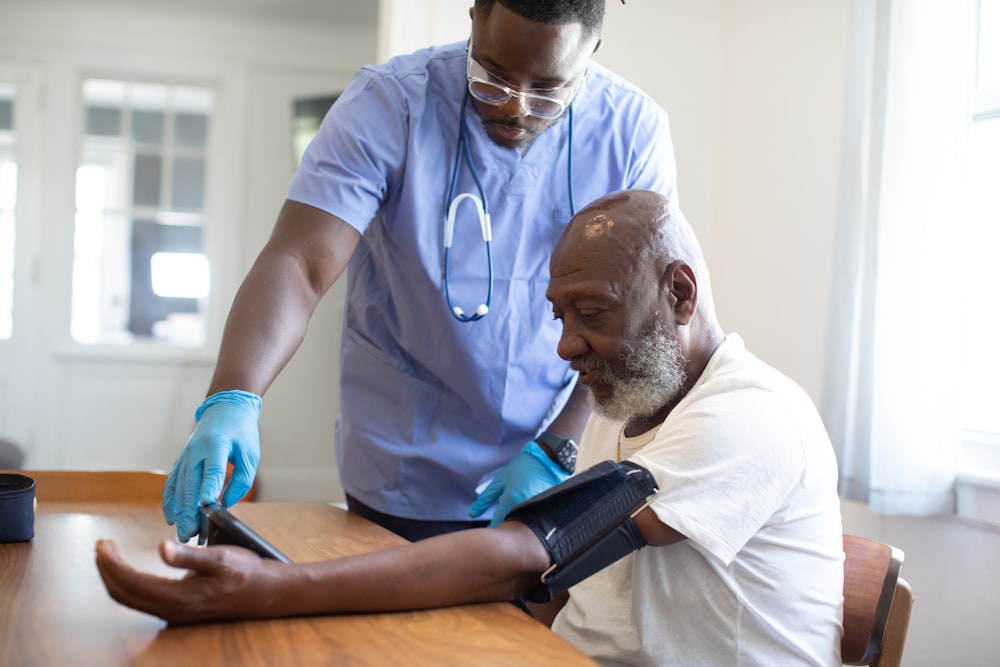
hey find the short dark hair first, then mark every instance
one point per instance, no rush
(590, 13)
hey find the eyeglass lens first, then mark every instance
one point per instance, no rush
(497, 95)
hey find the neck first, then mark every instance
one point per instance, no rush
(694, 367)
(639, 424)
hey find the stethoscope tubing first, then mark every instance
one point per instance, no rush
(482, 209)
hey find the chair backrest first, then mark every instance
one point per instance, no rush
(877, 604)
(123, 486)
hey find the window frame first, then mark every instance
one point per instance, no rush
(978, 478)
(125, 147)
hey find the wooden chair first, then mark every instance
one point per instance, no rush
(877, 603)
(122, 486)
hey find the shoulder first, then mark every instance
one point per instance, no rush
(404, 88)
(743, 399)
(733, 367)
(434, 68)
(604, 84)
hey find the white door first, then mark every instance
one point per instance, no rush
(20, 316)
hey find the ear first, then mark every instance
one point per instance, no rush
(680, 287)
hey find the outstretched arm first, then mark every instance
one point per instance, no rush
(226, 583)
(307, 252)
(305, 255)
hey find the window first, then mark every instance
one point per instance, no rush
(980, 417)
(307, 115)
(139, 268)
(8, 200)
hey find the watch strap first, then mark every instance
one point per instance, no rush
(563, 449)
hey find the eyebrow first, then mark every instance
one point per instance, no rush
(489, 65)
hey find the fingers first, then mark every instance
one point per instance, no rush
(504, 505)
(239, 484)
(214, 475)
(487, 497)
(186, 557)
(186, 511)
(127, 585)
(169, 500)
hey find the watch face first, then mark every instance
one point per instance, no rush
(564, 450)
(567, 456)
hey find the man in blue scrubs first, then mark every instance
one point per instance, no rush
(448, 364)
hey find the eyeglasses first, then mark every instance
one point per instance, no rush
(484, 87)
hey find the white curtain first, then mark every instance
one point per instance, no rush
(890, 394)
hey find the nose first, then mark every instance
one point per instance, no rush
(515, 107)
(571, 345)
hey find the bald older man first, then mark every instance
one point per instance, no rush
(744, 556)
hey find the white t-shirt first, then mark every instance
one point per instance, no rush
(747, 473)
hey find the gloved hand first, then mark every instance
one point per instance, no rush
(225, 432)
(528, 474)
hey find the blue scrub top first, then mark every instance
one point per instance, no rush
(429, 405)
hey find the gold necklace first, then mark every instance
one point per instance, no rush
(621, 435)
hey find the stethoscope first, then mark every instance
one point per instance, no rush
(482, 210)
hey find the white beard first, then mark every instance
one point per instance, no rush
(654, 376)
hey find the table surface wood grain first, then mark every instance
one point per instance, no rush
(54, 609)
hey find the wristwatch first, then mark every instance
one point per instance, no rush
(563, 449)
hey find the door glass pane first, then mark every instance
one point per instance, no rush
(140, 271)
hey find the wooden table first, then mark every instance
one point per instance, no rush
(54, 609)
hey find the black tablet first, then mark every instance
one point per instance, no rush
(218, 526)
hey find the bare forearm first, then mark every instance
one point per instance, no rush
(479, 565)
(266, 325)
(574, 415)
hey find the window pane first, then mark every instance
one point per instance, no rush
(189, 184)
(147, 127)
(981, 307)
(190, 130)
(141, 194)
(147, 174)
(102, 121)
(149, 239)
(6, 114)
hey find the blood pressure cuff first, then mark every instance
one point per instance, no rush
(586, 523)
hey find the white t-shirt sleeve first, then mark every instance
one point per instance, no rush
(726, 463)
(360, 149)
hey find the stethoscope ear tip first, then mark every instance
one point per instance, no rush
(482, 310)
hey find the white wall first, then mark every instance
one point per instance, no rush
(755, 91)
(101, 408)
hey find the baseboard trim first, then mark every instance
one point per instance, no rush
(299, 485)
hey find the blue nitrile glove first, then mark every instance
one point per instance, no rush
(528, 474)
(226, 432)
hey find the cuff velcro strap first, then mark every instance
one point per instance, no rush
(586, 523)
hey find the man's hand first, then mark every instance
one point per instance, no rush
(226, 432)
(223, 583)
(528, 474)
